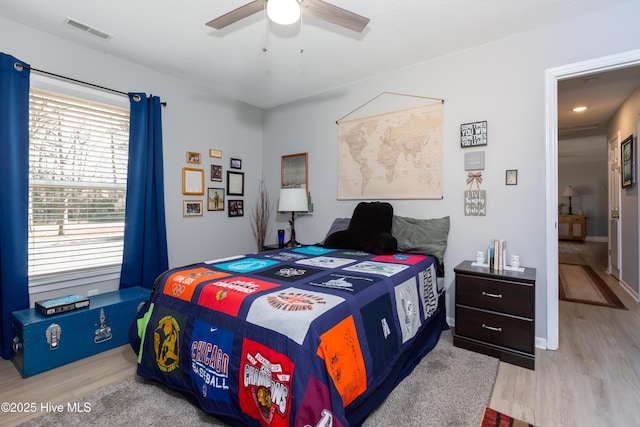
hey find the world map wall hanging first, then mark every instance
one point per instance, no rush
(392, 155)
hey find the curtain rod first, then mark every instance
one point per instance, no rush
(119, 92)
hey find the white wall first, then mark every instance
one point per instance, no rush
(194, 120)
(501, 82)
(590, 180)
(625, 121)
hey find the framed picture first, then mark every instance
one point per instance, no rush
(236, 207)
(192, 208)
(473, 134)
(512, 177)
(474, 161)
(215, 153)
(236, 164)
(193, 157)
(215, 199)
(294, 171)
(626, 152)
(192, 181)
(216, 173)
(235, 183)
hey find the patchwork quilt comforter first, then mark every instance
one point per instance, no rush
(306, 336)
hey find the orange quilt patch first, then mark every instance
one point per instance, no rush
(340, 349)
(183, 283)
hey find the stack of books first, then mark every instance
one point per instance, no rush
(496, 254)
(61, 305)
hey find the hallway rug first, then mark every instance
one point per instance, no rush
(493, 418)
(581, 284)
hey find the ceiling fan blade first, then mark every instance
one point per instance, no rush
(237, 14)
(334, 14)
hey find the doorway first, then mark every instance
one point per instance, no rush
(552, 76)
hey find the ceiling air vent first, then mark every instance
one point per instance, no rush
(581, 128)
(88, 28)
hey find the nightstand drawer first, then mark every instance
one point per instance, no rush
(497, 295)
(513, 332)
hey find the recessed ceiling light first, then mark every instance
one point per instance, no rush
(579, 109)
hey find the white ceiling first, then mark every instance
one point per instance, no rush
(171, 36)
(601, 93)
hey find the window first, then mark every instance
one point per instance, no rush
(78, 154)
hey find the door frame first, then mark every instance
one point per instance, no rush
(552, 76)
(614, 186)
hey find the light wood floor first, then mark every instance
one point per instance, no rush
(68, 383)
(593, 379)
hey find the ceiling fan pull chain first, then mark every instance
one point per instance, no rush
(301, 36)
(266, 28)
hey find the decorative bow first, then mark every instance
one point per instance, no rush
(474, 177)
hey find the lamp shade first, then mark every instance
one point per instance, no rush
(570, 192)
(283, 12)
(293, 200)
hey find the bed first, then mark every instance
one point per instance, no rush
(306, 336)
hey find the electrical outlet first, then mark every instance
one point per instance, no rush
(93, 292)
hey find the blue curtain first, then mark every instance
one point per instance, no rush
(14, 193)
(145, 233)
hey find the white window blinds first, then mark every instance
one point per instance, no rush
(78, 153)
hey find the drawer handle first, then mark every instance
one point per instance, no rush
(486, 294)
(491, 328)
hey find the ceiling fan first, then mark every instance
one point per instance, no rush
(316, 8)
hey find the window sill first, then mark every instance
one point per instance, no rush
(59, 282)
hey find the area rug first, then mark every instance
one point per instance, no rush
(493, 418)
(580, 283)
(450, 387)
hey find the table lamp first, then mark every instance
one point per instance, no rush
(293, 200)
(570, 192)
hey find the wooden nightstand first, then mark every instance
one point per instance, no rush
(495, 313)
(272, 247)
(275, 247)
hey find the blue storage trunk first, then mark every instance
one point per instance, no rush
(42, 343)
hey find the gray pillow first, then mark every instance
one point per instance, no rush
(424, 236)
(338, 224)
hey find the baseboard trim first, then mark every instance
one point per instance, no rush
(596, 239)
(630, 290)
(451, 321)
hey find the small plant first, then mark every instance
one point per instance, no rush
(260, 215)
(561, 207)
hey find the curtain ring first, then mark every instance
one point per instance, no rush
(18, 66)
(137, 98)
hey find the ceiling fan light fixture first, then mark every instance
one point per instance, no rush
(283, 12)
